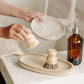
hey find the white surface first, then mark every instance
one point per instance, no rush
(14, 74)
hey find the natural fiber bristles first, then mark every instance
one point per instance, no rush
(50, 66)
(33, 44)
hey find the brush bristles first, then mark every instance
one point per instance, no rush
(33, 44)
(50, 66)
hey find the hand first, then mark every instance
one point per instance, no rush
(10, 10)
(15, 31)
(30, 15)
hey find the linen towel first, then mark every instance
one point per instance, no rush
(8, 47)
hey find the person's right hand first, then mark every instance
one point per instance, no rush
(30, 15)
(15, 31)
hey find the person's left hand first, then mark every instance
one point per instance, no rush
(30, 15)
(15, 31)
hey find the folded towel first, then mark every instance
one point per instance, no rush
(8, 47)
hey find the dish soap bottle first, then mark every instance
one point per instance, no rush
(75, 44)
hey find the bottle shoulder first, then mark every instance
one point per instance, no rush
(75, 37)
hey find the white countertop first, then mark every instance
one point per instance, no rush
(14, 74)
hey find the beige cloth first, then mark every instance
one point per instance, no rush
(8, 47)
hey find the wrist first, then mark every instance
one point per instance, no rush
(1, 29)
(17, 12)
(22, 14)
(3, 32)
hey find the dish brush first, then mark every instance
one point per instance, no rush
(31, 41)
(51, 59)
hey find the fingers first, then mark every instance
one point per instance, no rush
(40, 18)
(19, 32)
(14, 37)
(28, 19)
(28, 31)
(19, 36)
(24, 35)
(42, 14)
(30, 15)
(24, 32)
(19, 28)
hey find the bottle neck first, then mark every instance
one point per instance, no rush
(76, 31)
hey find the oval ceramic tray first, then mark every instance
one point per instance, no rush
(35, 62)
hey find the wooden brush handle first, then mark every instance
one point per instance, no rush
(52, 52)
(51, 59)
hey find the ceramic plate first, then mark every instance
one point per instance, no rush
(35, 62)
(50, 29)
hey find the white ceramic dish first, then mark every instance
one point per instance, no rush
(35, 62)
(51, 29)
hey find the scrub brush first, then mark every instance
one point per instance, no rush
(31, 41)
(51, 60)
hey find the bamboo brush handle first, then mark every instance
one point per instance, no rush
(51, 59)
(52, 52)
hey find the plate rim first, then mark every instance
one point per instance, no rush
(63, 27)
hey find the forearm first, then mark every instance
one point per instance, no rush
(9, 10)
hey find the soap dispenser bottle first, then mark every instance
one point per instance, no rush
(75, 44)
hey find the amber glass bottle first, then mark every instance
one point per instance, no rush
(75, 43)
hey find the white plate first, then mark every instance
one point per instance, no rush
(35, 62)
(51, 29)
